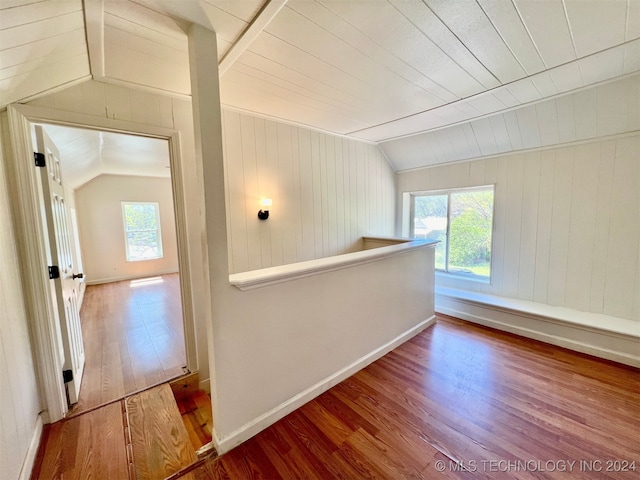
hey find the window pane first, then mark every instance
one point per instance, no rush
(140, 216)
(143, 245)
(470, 230)
(430, 222)
(142, 231)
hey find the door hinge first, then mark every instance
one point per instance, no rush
(54, 272)
(67, 376)
(39, 159)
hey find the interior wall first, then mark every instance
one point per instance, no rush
(102, 238)
(566, 230)
(19, 399)
(327, 192)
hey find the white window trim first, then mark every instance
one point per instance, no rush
(159, 230)
(409, 215)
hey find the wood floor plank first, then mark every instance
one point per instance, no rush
(159, 440)
(89, 446)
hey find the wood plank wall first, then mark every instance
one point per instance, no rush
(19, 401)
(566, 229)
(327, 192)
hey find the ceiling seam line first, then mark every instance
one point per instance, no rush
(463, 44)
(506, 44)
(535, 45)
(573, 40)
(445, 53)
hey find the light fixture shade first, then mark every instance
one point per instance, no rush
(265, 203)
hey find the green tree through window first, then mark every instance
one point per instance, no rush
(462, 220)
(143, 240)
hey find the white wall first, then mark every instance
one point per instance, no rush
(327, 192)
(19, 400)
(566, 228)
(102, 238)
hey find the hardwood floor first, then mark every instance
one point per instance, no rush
(501, 405)
(133, 337)
(91, 445)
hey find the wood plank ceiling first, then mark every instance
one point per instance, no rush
(393, 72)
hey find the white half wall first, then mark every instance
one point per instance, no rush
(99, 208)
(286, 343)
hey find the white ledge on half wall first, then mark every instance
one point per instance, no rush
(605, 336)
(284, 273)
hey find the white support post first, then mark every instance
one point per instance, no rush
(207, 119)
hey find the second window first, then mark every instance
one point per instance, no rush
(462, 220)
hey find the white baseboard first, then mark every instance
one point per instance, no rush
(205, 385)
(599, 342)
(32, 452)
(99, 281)
(255, 426)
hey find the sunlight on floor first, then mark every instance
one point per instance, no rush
(142, 282)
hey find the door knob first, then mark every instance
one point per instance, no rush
(77, 275)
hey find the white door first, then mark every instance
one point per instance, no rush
(66, 284)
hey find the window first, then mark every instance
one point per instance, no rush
(463, 221)
(143, 240)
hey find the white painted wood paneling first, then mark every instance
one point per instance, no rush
(512, 224)
(607, 109)
(594, 24)
(433, 28)
(566, 230)
(327, 192)
(19, 399)
(374, 70)
(621, 284)
(471, 25)
(42, 46)
(547, 24)
(145, 47)
(602, 238)
(528, 229)
(509, 25)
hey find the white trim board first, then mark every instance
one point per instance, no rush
(267, 419)
(603, 336)
(99, 281)
(32, 452)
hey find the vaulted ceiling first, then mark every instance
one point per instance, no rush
(431, 81)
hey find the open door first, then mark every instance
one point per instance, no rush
(62, 271)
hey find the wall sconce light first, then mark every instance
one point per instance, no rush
(265, 203)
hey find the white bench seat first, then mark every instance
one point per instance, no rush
(605, 336)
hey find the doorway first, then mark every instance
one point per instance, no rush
(45, 332)
(118, 190)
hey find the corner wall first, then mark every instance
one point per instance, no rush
(99, 208)
(566, 230)
(327, 192)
